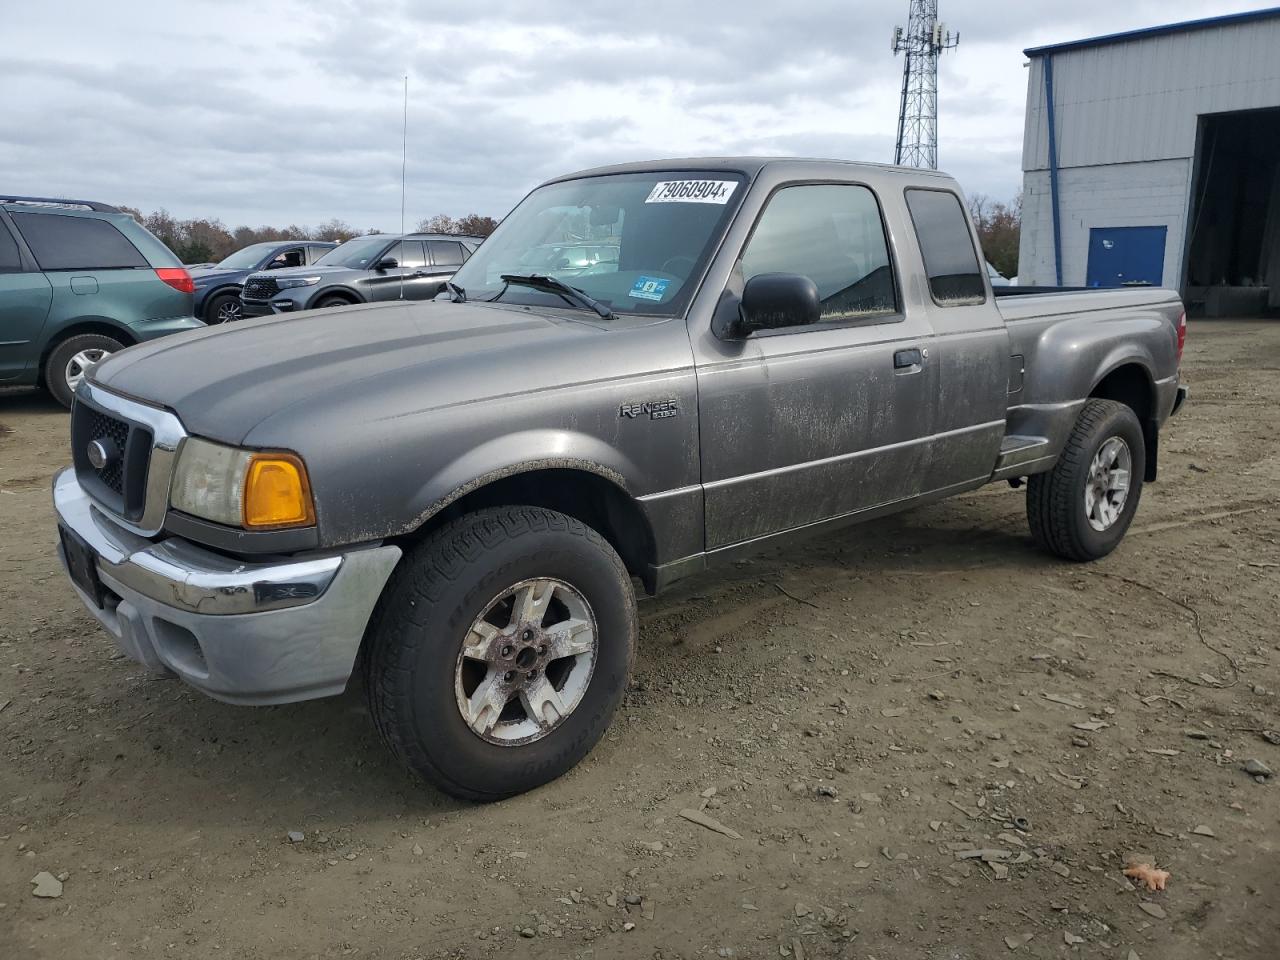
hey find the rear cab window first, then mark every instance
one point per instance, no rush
(834, 234)
(946, 244)
(77, 243)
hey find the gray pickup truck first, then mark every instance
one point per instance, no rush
(457, 498)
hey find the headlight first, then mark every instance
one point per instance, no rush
(258, 490)
(285, 282)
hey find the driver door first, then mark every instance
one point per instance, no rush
(804, 424)
(411, 264)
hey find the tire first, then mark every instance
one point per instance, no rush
(331, 300)
(1058, 501)
(67, 362)
(223, 308)
(416, 678)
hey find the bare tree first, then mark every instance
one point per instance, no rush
(999, 229)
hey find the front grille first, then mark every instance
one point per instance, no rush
(121, 484)
(260, 288)
(101, 426)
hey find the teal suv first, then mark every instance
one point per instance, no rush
(79, 281)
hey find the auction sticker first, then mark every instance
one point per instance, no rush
(692, 191)
(649, 288)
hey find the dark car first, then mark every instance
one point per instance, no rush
(218, 285)
(364, 270)
(80, 280)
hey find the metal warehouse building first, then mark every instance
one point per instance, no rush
(1154, 157)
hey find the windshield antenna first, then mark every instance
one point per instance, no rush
(404, 154)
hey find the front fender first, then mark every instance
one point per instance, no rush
(522, 452)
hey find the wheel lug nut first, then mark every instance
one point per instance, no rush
(542, 649)
(528, 634)
(509, 676)
(506, 651)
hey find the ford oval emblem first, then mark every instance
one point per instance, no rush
(101, 453)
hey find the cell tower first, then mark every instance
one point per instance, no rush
(922, 42)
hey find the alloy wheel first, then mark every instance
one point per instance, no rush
(526, 662)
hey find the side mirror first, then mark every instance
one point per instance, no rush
(386, 263)
(774, 300)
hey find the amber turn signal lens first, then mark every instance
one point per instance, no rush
(276, 492)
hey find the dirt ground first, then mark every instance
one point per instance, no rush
(866, 707)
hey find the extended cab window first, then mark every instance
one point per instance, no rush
(942, 230)
(77, 243)
(832, 234)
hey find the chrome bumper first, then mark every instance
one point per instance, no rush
(241, 632)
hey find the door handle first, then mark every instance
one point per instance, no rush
(906, 359)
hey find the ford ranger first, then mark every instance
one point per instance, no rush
(460, 498)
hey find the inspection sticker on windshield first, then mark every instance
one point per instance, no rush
(649, 288)
(692, 191)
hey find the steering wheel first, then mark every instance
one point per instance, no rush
(666, 266)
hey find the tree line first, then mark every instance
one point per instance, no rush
(999, 229)
(208, 241)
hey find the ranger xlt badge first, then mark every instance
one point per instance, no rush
(656, 409)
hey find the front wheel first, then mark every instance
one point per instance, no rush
(332, 300)
(500, 651)
(224, 308)
(1081, 508)
(68, 361)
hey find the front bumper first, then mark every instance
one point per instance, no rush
(280, 303)
(250, 633)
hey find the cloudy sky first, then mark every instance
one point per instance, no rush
(274, 111)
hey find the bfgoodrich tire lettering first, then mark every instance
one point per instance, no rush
(1057, 501)
(428, 610)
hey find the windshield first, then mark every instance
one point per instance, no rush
(355, 254)
(635, 242)
(247, 258)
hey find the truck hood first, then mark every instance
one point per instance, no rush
(224, 381)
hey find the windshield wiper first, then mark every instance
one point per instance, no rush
(541, 281)
(456, 293)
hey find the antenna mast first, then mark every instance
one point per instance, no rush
(404, 155)
(922, 43)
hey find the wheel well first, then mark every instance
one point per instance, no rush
(75, 330)
(588, 497)
(1131, 385)
(214, 294)
(340, 293)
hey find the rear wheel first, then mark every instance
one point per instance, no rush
(1081, 509)
(68, 361)
(500, 651)
(224, 308)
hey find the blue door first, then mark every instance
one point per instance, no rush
(1126, 255)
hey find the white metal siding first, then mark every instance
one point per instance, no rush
(1140, 99)
(1115, 195)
